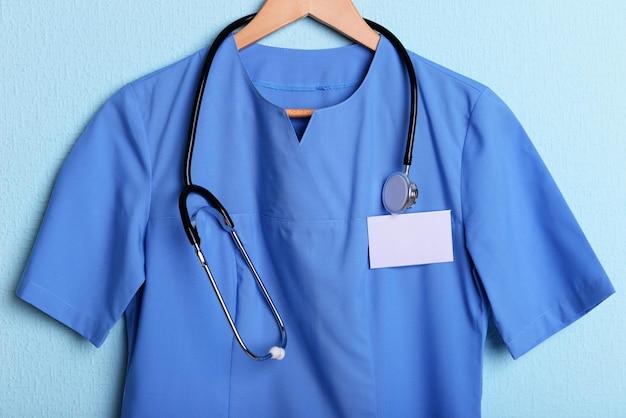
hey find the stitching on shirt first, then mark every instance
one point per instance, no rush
(455, 221)
(557, 305)
(300, 221)
(74, 308)
(482, 295)
(146, 143)
(304, 87)
(448, 73)
(465, 142)
(164, 218)
(534, 321)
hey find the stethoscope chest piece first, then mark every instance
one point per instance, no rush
(399, 193)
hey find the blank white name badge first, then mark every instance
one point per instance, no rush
(410, 239)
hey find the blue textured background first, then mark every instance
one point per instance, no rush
(559, 64)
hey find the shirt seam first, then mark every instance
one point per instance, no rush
(560, 303)
(269, 217)
(148, 155)
(97, 326)
(145, 131)
(455, 221)
(481, 294)
(451, 74)
(465, 141)
(304, 87)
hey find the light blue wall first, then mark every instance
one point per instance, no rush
(559, 64)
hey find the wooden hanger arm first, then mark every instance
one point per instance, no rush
(343, 17)
(273, 15)
(340, 15)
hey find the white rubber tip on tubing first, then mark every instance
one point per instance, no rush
(277, 353)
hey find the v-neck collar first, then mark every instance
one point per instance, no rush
(349, 146)
(259, 66)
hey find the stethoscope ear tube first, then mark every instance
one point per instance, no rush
(406, 59)
(401, 50)
(195, 113)
(394, 200)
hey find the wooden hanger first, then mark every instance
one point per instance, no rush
(341, 15)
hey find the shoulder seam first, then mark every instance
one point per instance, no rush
(449, 73)
(481, 295)
(155, 73)
(147, 147)
(469, 123)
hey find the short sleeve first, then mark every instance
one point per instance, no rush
(88, 259)
(536, 267)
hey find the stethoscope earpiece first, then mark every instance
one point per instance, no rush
(399, 193)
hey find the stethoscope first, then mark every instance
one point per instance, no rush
(399, 192)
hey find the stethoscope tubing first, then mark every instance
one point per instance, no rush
(194, 238)
(204, 75)
(401, 50)
(276, 352)
(413, 109)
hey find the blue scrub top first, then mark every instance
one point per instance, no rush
(389, 342)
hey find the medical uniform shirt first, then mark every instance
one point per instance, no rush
(389, 342)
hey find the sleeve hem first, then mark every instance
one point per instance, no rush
(64, 312)
(559, 317)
